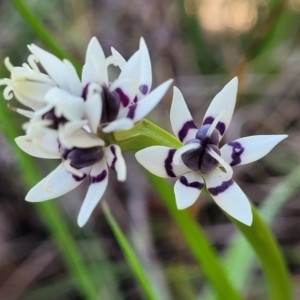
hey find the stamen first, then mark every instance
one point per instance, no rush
(177, 156)
(223, 163)
(46, 188)
(33, 60)
(7, 93)
(8, 64)
(214, 124)
(26, 113)
(72, 170)
(26, 66)
(5, 81)
(110, 60)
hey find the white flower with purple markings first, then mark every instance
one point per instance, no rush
(86, 156)
(60, 96)
(201, 162)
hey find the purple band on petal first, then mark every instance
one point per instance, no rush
(185, 129)
(168, 163)
(237, 151)
(131, 111)
(144, 89)
(221, 188)
(113, 164)
(77, 178)
(220, 126)
(135, 100)
(123, 97)
(100, 177)
(194, 184)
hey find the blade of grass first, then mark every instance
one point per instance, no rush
(41, 31)
(129, 254)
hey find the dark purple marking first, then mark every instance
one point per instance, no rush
(100, 177)
(135, 100)
(237, 151)
(221, 188)
(84, 92)
(194, 184)
(123, 97)
(131, 111)
(77, 178)
(185, 129)
(144, 89)
(113, 164)
(220, 126)
(168, 163)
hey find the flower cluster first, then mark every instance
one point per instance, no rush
(201, 162)
(71, 119)
(68, 114)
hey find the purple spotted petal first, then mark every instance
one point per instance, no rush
(57, 183)
(159, 161)
(115, 160)
(145, 69)
(228, 195)
(248, 149)
(139, 110)
(223, 103)
(126, 89)
(98, 182)
(181, 120)
(187, 189)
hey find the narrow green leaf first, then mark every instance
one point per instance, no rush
(130, 256)
(41, 31)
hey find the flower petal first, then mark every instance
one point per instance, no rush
(94, 69)
(73, 79)
(72, 135)
(115, 160)
(181, 120)
(145, 69)
(248, 149)
(118, 125)
(67, 105)
(53, 66)
(98, 182)
(159, 161)
(57, 183)
(139, 110)
(132, 67)
(118, 58)
(228, 195)
(43, 149)
(187, 189)
(126, 89)
(224, 103)
(93, 106)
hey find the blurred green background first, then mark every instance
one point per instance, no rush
(202, 45)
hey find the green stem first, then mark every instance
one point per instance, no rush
(129, 254)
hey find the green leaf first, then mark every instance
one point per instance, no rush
(130, 256)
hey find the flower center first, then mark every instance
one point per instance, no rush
(55, 121)
(200, 159)
(82, 157)
(110, 103)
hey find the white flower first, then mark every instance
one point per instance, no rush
(200, 162)
(111, 106)
(87, 157)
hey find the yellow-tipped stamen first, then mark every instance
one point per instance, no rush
(26, 113)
